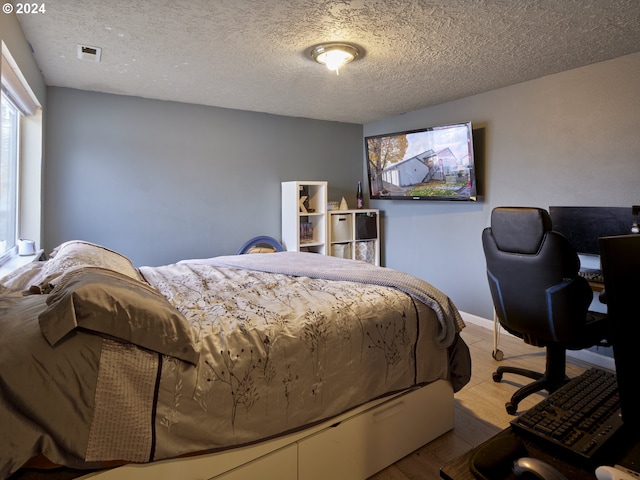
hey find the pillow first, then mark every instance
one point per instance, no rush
(78, 253)
(20, 279)
(113, 304)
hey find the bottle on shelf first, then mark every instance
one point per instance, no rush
(359, 195)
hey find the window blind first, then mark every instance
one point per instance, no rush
(16, 90)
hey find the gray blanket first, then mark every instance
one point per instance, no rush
(332, 268)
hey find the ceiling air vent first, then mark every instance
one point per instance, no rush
(93, 54)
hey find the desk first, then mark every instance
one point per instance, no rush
(623, 451)
(596, 286)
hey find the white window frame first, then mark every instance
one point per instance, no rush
(9, 175)
(29, 128)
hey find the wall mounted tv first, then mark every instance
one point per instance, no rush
(433, 163)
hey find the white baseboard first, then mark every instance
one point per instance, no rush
(476, 320)
(587, 356)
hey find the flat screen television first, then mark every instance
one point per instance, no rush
(434, 163)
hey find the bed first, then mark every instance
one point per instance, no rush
(288, 365)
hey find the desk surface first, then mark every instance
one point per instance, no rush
(458, 469)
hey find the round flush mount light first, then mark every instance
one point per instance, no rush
(334, 55)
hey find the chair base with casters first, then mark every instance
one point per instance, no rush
(553, 378)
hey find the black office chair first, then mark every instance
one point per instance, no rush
(537, 294)
(261, 244)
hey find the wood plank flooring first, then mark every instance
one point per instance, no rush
(479, 407)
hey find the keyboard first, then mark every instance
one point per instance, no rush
(591, 275)
(579, 418)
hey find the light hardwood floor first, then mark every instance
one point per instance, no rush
(479, 407)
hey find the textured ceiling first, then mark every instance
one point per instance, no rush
(253, 54)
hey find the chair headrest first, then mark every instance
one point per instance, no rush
(520, 229)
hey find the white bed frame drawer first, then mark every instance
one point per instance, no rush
(392, 430)
(279, 465)
(361, 443)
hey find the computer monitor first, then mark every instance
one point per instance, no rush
(620, 259)
(584, 225)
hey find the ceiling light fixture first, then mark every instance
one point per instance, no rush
(334, 55)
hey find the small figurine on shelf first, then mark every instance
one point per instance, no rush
(359, 195)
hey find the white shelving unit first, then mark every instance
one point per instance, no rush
(355, 234)
(304, 220)
(307, 225)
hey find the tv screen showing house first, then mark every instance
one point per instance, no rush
(433, 163)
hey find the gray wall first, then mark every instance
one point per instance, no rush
(162, 181)
(568, 139)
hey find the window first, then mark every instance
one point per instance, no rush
(20, 158)
(9, 138)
